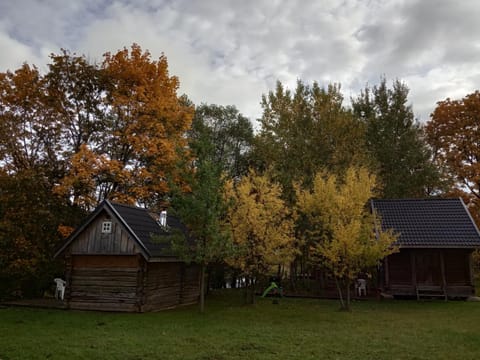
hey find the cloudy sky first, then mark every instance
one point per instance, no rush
(233, 51)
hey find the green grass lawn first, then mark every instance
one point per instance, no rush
(294, 329)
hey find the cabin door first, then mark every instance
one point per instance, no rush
(428, 268)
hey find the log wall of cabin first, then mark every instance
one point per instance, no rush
(447, 268)
(103, 282)
(93, 241)
(167, 285)
(459, 273)
(162, 286)
(190, 285)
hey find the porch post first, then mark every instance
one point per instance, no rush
(387, 275)
(442, 267)
(470, 267)
(414, 270)
(444, 279)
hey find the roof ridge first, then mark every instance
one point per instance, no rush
(128, 206)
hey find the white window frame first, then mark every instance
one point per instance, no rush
(106, 227)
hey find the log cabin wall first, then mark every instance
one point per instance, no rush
(459, 272)
(162, 286)
(168, 285)
(449, 268)
(399, 273)
(457, 267)
(190, 285)
(104, 282)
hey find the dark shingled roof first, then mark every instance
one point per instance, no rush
(429, 223)
(151, 235)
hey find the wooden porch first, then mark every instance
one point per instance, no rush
(435, 273)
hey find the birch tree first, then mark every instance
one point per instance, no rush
(346, 238)
(261, 227)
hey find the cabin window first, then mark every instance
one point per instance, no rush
(106, 227)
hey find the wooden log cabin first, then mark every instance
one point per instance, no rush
(436, 241)
(120, 259)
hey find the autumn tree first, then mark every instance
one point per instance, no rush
(31, 224)
(123, 115)
(304, 131)
(454, 134)
(29, 140)
(346, 237)
(395, 141)
(145, 124)
(46, 118)
(30, 165)
(261, 227)
(75, 98)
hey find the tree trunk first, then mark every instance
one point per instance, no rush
(249, 290)
(208, 280)
(202, 288)
(233, 284)
(247, 286)
(347, 305)
(340, 295)
(293, 276)
(252, 291)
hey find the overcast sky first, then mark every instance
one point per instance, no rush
(230, 52)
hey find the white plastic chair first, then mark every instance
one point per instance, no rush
(362, 287)
(60, 290)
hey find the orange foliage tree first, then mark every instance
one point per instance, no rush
(143, 138)
(454, 134)
(27, 135)
(31, 226)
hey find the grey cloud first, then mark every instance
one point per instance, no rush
(230, 52)
(421, 32)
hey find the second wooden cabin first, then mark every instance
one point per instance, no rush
(436, 240)
(120, 259)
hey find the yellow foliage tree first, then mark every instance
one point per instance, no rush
(347, 237)
(261, 225)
